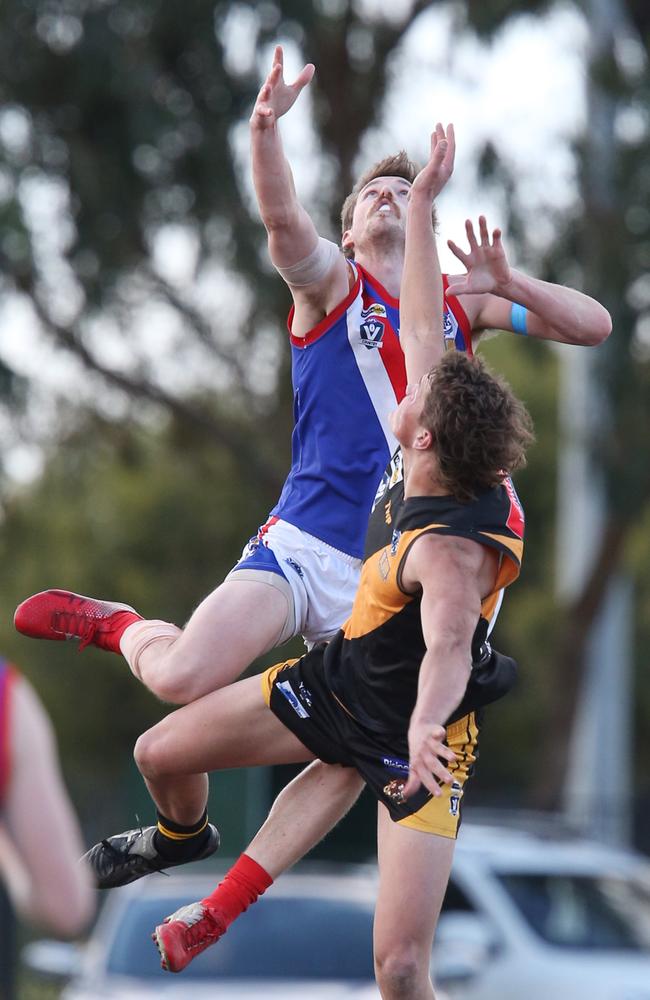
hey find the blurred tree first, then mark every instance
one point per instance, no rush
(128, 230)
(154, 518)
(118, 138)
(607, 242)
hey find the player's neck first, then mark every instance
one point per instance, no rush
(385, 263)
(421, 475)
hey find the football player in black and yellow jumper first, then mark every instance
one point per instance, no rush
(394, 694)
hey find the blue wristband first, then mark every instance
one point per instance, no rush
(518, 319)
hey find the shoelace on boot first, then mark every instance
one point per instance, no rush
(69, 623)
(205, 929)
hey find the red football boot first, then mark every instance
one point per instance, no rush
(187, 933)
(59, 614)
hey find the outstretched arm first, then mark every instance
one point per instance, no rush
(554, 311)
(293, 238)
(421, 300)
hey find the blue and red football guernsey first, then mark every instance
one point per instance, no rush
(348, 374)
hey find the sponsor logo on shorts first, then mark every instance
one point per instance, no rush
(394, 791)
(284, 687)
(304, 694)
(296, 567)
(395, 764)
(456, 796)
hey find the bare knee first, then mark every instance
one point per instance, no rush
(151, 754)
(402, 972)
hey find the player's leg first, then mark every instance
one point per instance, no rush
(225, 729)
(303, 813)
(236, 623)
(247, 615)
(413, 874)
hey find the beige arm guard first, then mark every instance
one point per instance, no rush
(312, 268)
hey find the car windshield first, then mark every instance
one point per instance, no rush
(584, 911)
(282, 938)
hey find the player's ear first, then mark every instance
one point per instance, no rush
(347, 243)
(423, 439)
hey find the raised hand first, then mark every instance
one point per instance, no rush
(276, 97)
(435, 174)
(486, 263)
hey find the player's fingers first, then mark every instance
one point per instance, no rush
(429, 781)
(457, 287)
(411, 786)
(496, 238)
(469, 229)
(274, 76)
(278, 56)
(457, 252)
(431, 763)
(483, 230)
(304, 77)
(440, 150)
(446, 752)
(451, 144)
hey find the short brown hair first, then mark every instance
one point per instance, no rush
(398, 165)
(480, 429)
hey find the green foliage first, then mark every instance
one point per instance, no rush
(123, 514)
(127, 112)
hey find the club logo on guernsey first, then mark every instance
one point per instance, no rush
(371, 327)
(393, 475)
(450, 329)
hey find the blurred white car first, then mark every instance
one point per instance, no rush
(526, 917)
(309, 937)
(529, 917)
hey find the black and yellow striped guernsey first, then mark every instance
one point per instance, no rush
(372, 664)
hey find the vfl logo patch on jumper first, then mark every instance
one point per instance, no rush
(372, 328)
(394, 542)
(284, 687)
(450, 329)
